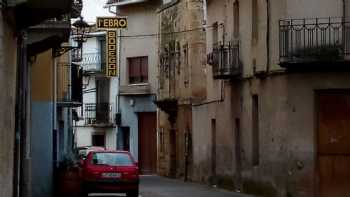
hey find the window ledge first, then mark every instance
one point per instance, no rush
(138, 84)
(135, 89)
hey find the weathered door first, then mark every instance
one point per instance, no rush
(334, 144)
(147, 143)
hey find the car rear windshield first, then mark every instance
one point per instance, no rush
(112, 159)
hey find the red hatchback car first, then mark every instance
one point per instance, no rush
(110, 172)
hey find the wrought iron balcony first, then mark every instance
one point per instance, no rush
(98, 114)
(314, 41)
(93, 63)
(225, 61)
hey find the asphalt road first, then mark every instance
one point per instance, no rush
(155, 186)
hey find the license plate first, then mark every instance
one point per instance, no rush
(111, 175)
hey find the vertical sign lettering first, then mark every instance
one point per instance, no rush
(111, 42)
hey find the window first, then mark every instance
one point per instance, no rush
(255, 139)
(112, 159)
(213, 147)
(186, 66)
(215, 33)
(138, 70)
(161, 139)
(236, 19)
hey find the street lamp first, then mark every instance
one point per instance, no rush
(79, 33)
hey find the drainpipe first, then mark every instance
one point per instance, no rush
(119, 63)
(69, 110)
(344, 9)
(268, 18)
(18, 141)
(118, 89)
(54, 110)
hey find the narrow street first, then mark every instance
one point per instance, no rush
(155, 186)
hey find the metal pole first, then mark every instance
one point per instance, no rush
(54, 116)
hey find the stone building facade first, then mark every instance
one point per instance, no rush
(275, 118)
(138, 60)
(181, 76)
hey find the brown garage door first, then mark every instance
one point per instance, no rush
(334, 144)
(147, 143)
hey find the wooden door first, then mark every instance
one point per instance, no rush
(333, 144)
(147, 143)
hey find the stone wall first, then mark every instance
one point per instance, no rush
(181, 76)
(8, 51)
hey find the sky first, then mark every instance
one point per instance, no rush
(94, 8)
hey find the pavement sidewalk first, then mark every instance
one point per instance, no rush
(155, 186)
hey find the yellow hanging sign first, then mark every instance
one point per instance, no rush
(111, 42)
(111, 23)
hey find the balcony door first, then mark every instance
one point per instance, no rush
(102, 100)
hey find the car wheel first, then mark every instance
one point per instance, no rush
(83, 191)
(134, 193)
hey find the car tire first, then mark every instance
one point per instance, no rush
(133, 193)
(83, 191)
(84, 194)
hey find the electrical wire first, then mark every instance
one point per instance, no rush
(167, 33)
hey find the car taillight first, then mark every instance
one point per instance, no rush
(92, 174)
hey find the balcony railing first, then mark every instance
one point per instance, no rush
(225, 60)
(93, 63)
(314, 40)
(98, 114)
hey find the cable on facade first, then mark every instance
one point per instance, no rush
(167, 33)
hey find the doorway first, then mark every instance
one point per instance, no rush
(333, 143)
(147, 142)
